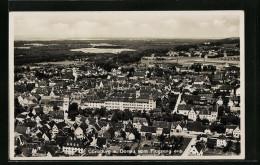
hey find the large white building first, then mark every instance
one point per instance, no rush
(123, 103)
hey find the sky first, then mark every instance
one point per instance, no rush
(126, 24)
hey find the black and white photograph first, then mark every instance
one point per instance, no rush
(126, 85)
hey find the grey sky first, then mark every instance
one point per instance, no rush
(130, 24)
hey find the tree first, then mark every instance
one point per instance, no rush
(117, 116)
(148, 136)
(181, 139)
(126, 148)
(127, 114)
(101, 112)
(237, 148)
(148, 75)
(158, 102)
(161, 138)
(137, 134)
(30, 113)
(205, 68)
(227, 147)
(205, 121)
(56, 108)
(221, 111)
(219, 128)
(17, 151)
(210, 145)
(28, 69)
(123, 134)
(198, 119)
(230, 119)
(73, 111)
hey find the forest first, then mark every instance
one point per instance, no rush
(28, 52)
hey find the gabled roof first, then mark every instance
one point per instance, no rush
(161, 124)
(139, 119)
(97, 127)
(222, 137)
(231, 127)
(225, 87)
(21, 116)
(111, 130)
(184, 107)
(91, 120)
(149, 129)
(20, 129)
(191, 97)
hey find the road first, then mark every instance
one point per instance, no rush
(177, 103)
(187, 150)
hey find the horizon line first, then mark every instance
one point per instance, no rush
(126, 38)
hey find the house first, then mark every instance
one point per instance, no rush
(46, 137)
(192, 99)
(225, 88)
(148, 129)
(203, 137)
(73, 146)
(220, 101)
(176, 127)
(160, 124)
(79, 133)
(196, 150)
(230, 129)
(221, 141)
(199, 80)
(55, 129)
(22, 130)
(192, 115)
(58, 118)
(236, 132)
(186, 91)
(184, 109)
(138, 122)
(131, 136)
(21, 117)
(211, 115)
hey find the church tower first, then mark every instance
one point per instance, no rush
(75, 74)
(66, 103)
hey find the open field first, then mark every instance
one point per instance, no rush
(191, 60)
(66, 62)
(101, 50)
